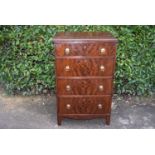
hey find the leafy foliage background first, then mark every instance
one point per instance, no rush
(27, 60)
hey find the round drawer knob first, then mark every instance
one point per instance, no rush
(68, 87)
(67, 68)
(85, 61)
(67, 51)
(102, 68)
(68, 106)
(84, 46)
(84, 100)
(101, 87)
(99, 106)
(102, 51)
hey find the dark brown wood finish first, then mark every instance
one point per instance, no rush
(86, 49)
(84, 86)
(71, 37)
(84, 105)
(85, 65)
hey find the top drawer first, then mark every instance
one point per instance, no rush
(85, 49)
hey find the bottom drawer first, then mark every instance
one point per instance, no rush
(84, 105)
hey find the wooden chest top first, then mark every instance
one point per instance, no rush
(83, 37)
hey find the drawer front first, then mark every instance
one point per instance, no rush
(85, 67)
(86, 49)
(84, 105)
(84, 86)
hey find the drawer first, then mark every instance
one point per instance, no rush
(79, 86)
(84, 105)
(85, 67)
(85, 49)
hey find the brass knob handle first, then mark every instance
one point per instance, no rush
(101, 87)
(102, 68)
(84, 100)
(68, 87)
(68, 106)
(67, 51)
(84, 46)
(99, 106)
(67, 68)
(102, 51)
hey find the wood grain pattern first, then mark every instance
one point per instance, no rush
(77, 37)
(84, 86)
(85, 49)
(85, 67)
(81, 87)
(85, 105)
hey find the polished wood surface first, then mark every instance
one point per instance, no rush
(86, 49)
(85, 64)
(84, 86)
(85, 67)
(84, 36)
(85, 105)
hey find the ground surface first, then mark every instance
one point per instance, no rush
(39, 112)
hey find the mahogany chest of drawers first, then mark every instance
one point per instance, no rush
(85, 64)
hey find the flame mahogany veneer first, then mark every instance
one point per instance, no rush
(85, 65)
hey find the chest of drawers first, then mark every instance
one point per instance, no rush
(85, 64)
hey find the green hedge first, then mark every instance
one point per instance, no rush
(27, 61)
